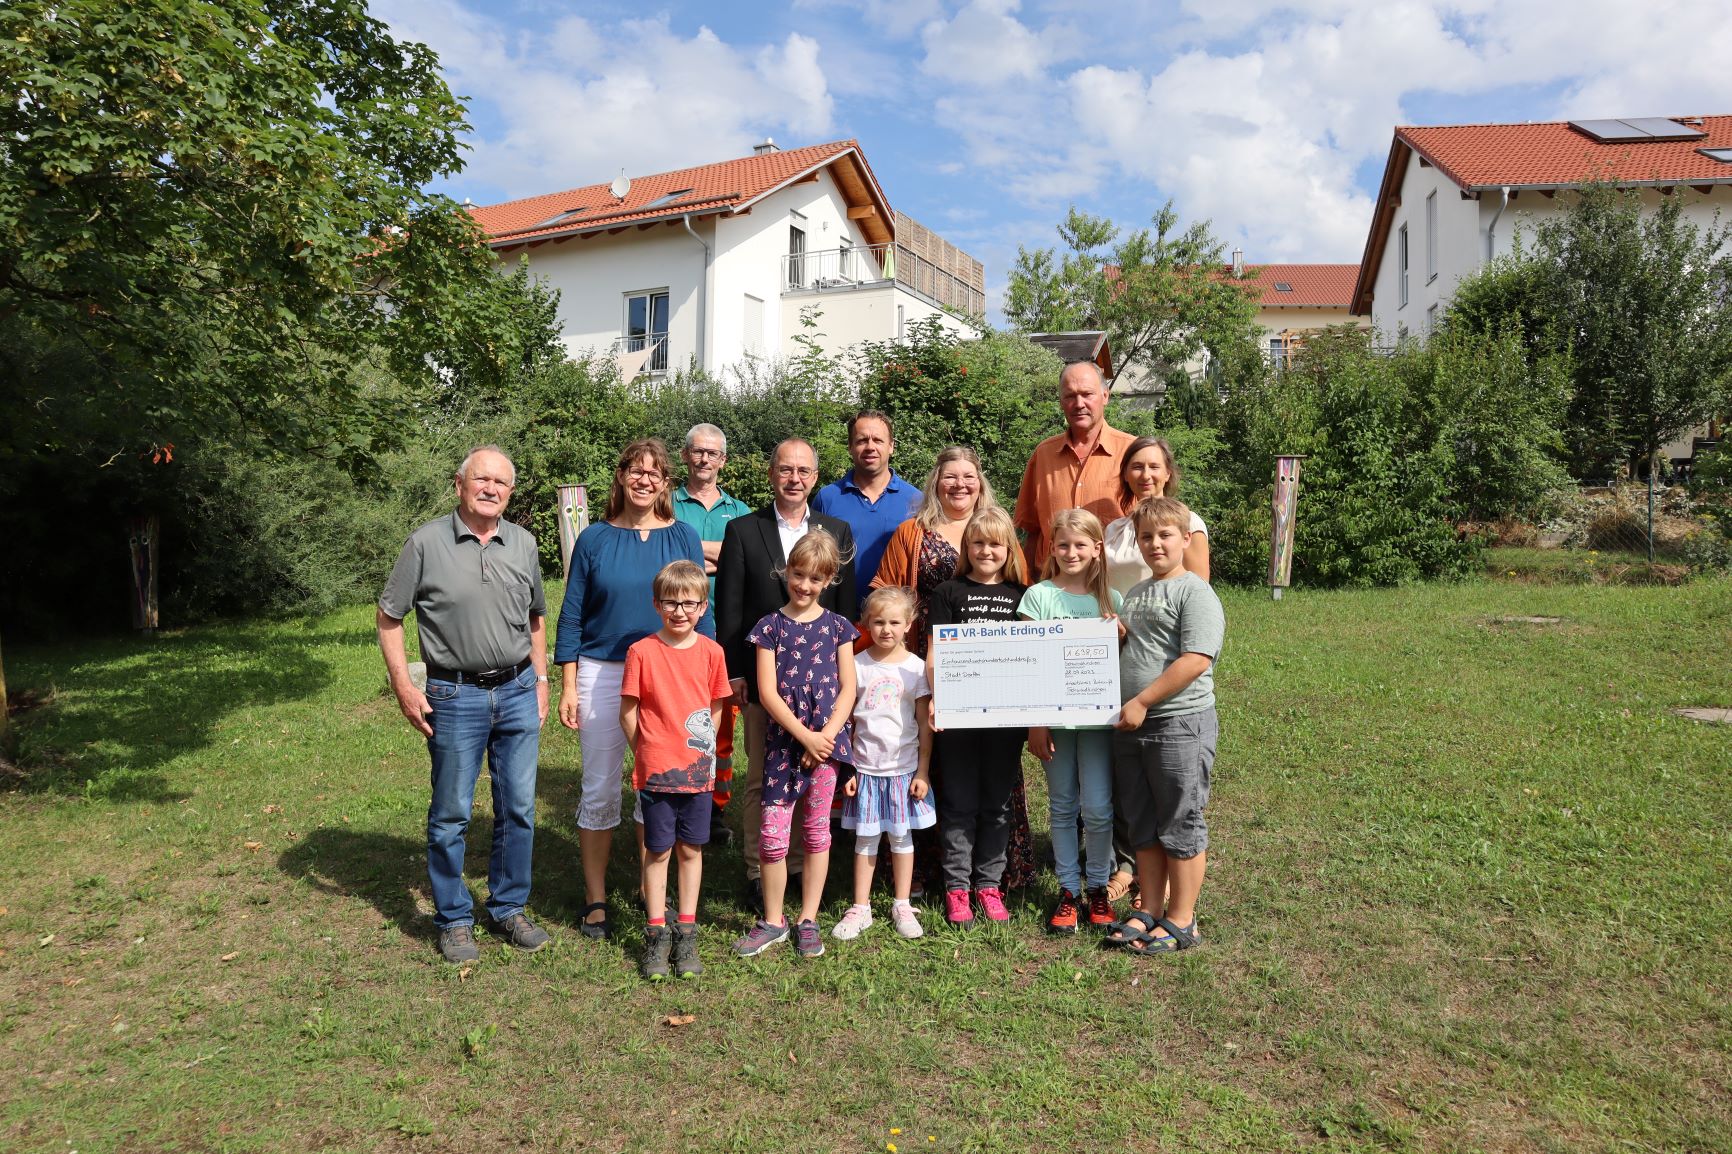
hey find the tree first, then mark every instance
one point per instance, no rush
(1641, 304)
(1157, 294)
(211, 212)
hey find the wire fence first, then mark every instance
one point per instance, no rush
(1630, 523)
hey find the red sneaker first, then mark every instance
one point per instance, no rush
(992, 905)
(957, 910)
(1064, 915)
(1100, 910)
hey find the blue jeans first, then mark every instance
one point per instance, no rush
(1079, 778)
(467, 722)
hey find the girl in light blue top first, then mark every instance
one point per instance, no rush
(1079, 765)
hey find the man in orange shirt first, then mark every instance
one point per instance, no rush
(1078, 468)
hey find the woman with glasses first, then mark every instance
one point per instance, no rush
(608, 606)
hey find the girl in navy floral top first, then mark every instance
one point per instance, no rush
(806, 683)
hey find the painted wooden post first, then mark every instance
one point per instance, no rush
(1283, 505)
(141, 534)
(573, 520)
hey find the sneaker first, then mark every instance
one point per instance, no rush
(1100, 909)
(761, 937)
(457, 943)
(657, 941)
(992, 904)
(957, 911)
(686, 963)
(808, 942)
(1063, 918)
(856, 921)
(522, 933)
(906, 921)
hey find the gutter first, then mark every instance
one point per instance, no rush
(1491, 229)
(703, 289)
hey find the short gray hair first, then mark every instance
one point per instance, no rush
(707, 430)
(463, 469)
(1100, 377)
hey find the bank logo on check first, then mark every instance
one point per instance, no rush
(948, 633)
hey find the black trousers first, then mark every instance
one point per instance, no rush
(981, 768)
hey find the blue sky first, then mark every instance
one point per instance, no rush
(986, 119)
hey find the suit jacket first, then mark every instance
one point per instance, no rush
(749, 583)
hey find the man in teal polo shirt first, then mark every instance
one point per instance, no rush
(871, 497)
(701, 504)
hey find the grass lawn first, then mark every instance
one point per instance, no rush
(1468, 891)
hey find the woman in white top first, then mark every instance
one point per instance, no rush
(1147, 470)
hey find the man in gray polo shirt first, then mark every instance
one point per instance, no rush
(473, 581)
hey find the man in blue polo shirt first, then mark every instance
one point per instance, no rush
(871, 497)
(702, 504)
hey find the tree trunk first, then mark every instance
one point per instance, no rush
(5, 717)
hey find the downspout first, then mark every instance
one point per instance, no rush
(703, 290)
(1491, 228)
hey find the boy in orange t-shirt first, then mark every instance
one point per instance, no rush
(671, 698)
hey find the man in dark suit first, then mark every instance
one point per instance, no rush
(749, 585)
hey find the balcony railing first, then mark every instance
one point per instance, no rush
(658, 358)
(835, 269)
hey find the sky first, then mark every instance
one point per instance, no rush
(987, 119)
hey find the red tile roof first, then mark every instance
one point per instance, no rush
(1311, 286)
(729, 185)
(1554, 155)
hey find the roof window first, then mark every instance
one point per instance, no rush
(1282, 286)
(1723, 155)
(669, 198)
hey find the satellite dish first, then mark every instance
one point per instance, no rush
(620, 186)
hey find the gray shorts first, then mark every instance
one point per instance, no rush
(1161, 781)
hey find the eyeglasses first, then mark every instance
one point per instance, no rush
(707, 454)
(637, 474)
(680, 606)
(799, 471)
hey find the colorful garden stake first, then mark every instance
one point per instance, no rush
(573, 520)
(1283, 504)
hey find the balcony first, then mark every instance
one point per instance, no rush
(860, 266)
(629, 351)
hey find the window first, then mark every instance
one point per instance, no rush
(796, 256)
(646, 327)
(845, 260)
(1401, 262)
(1431, 237)
(1278, 352)
(901, 323)
(1431, 320)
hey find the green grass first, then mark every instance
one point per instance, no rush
(1467, 892)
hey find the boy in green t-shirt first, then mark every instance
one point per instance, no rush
(1165, 747)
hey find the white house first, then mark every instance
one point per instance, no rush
(714, 264)
(1454, 195)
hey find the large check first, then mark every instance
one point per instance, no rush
(1002, 674)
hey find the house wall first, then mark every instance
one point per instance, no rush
(594, 274)
(1461, 229)
(868, 313)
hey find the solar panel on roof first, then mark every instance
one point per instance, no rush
(1609, 131)
(1723, 155)
(1660, 128)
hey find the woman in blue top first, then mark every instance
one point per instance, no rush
(608, 606)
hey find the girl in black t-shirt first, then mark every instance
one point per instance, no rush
(981, 810)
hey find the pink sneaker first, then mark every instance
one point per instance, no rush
(992, 905)
(957, 911)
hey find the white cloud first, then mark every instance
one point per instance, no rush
(895, 18)
(985, 46)
(578, 101)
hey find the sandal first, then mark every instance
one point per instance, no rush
(596, 931)
(1136, 927)
(1176, 938)
(1120, 884)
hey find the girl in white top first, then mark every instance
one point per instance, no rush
(1147, 470)
(889, 794)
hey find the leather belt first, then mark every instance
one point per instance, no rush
(486, 679)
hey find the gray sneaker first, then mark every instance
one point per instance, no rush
(808, 941)
(457, 943)
(656, 943)
(762, 936)
(522, 933)
(686, 963)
